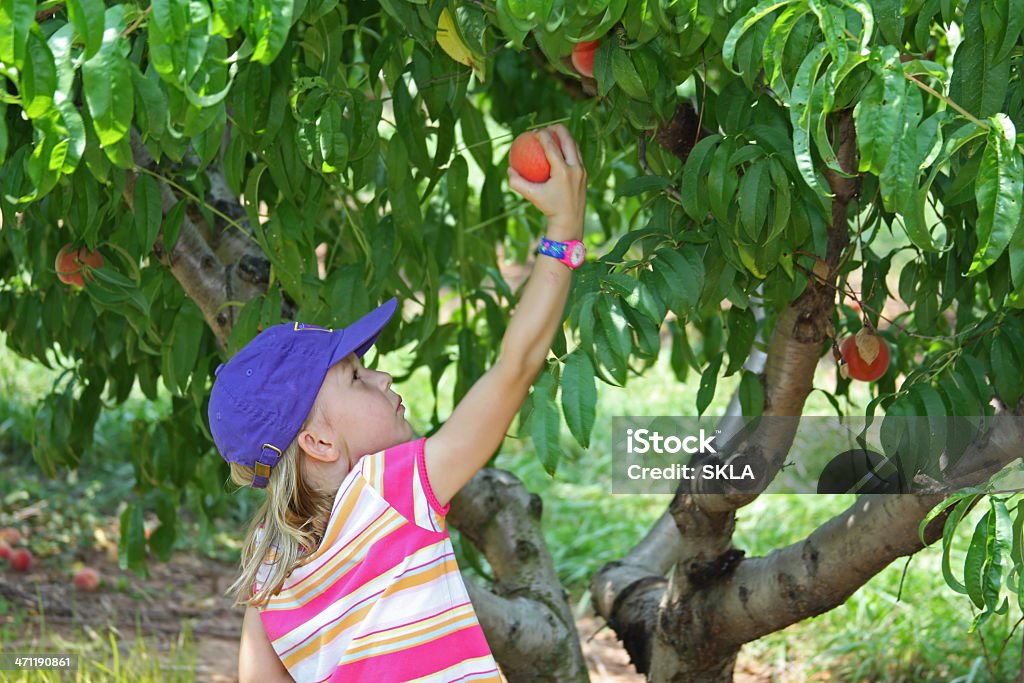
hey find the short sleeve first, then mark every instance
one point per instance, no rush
(400, 476)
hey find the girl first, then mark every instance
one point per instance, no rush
(348, 572)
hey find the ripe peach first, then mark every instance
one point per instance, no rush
(87, 579)
(71, 264)
(583, 57)
(5, 550)
(866, 355)
(21, 559)
(527, 157)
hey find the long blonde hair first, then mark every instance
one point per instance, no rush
(293, 518)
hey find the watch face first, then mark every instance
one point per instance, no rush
(577, 254)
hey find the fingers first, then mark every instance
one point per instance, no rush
(551, 145)
(570, 150)
(520, 184)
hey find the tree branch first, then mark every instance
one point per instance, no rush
(525, 614)
(767, 594)
(215, 287)
(626, 593)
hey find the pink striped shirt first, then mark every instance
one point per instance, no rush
(381, 599)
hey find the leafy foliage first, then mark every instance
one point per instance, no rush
(346, 126)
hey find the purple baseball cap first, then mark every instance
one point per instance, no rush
(262, 396)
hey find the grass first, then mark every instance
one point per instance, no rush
(904, 625)
(110, 657)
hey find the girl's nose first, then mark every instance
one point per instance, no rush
(385, 379)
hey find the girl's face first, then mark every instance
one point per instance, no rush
(359, 412)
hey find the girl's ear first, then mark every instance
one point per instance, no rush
(315, 447)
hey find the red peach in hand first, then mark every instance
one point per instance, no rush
(527, 157)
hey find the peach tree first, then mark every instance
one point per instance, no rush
(766, 179)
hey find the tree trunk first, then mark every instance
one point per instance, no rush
(525, 613)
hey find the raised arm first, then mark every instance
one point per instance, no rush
(479, 422)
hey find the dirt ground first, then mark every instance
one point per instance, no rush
(189, 589)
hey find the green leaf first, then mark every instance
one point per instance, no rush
(721, 182)
(974, 563)
(742, 326)
(998, 193)
(799, 113)
(680, 275)
(890, 19)
(962, 503)
(1016, 247)
(1007, 362)
(3, 133)
(971, 373)
(270, 22)
(475, 135)
(148, 210)
(151, 107)
(172, 225)
(545, 423)
(876, 115)
(694, 186)
(16, 19)
(579, 396)
(832, 22)
(755, 191)
(627, 77)
(754, 15)
(107, 83)
(405, 206)
(781, 189)
(979, 82)
(168, 27)
(132, 544)
(38, 77)
(928, 432)
(616, 330)
(751, 394)
(708, 383)
(183, 343)
(227, 16)
(87, 18)
(774, 49)
(641, 184)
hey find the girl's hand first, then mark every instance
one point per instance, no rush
(562, 198)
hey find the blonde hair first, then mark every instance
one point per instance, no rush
(293, 519)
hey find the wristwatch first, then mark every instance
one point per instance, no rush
(570, 253)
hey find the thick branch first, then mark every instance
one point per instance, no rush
(525, 614)
(627, 593)
(524, 629)
(192, 261)
(767, 594)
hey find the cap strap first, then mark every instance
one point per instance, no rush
(268, 457)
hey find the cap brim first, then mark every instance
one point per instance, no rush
(361, 335)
